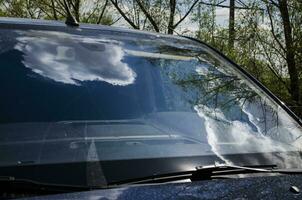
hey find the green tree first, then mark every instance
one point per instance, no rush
(267, 42)
(84, 11)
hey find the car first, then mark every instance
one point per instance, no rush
(92, 112)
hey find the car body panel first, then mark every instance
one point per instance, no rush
(271, 187)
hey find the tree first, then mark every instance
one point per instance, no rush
(290, 51)
(155, 15)
(281, 14)
(232, 24)
(95, 12)
(267, 43)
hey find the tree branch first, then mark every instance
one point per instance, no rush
(225, 6)
(102, 12)
(270, 65)
(150, 18)
(115, 4)
(115, 21)
(93, 11)
(273, 28)
(187, 13)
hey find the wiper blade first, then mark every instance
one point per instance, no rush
(255, 168)
(210, 171)
(207, 173)
(19, 183)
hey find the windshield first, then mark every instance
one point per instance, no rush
(106, 98)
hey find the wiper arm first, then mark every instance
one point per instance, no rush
(209, 172)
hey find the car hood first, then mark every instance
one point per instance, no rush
(268, 187)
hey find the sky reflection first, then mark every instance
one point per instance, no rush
(69, 59)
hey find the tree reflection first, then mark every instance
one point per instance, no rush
(218, 89)
(238, 117)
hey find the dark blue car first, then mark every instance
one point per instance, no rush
(97, 112)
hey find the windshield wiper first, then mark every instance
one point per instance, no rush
(10, 182)
(199, 173)
(207, 173)
(216, 170)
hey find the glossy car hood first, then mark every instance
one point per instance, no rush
(269, 187)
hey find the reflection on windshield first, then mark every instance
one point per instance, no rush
(65, 104)
(236, 118)
(71, 58)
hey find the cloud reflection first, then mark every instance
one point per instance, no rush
(229, 137)
(71, 58)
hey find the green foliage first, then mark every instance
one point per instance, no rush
(95, 12)
(260, 45)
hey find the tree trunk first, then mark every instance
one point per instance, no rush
(54, 12)
(77, 10)
(232, 24)
(171, 16)
(290, 52)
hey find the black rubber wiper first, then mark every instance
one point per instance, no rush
(216, 170)
(10, 182)
(207, 173)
